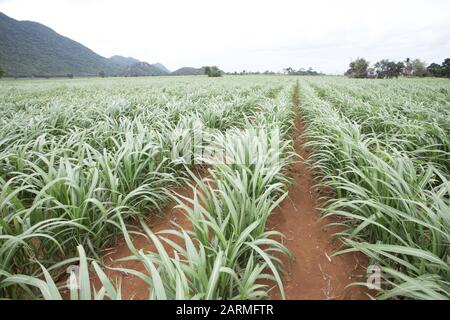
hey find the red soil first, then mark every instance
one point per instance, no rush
(314, 274)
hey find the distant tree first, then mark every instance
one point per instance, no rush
(397, 69)
(102, 74)
(2, 73)
(70, 75)
(408, 71)
(381, 68)
(289, 70)
(435, 70)
(358, 68)
(213, 71)
(300, 71)
(446, 68)
(419, 68)
(388, 69)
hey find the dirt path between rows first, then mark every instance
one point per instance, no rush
(313, 275)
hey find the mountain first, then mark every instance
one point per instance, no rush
(124, 60)
(134, 68)
(188, 71)
(161, 67)
(141, 69)
(31, 49)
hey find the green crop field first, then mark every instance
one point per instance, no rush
(383, 148)
(83, 163)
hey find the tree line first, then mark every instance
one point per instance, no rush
(289, 71)
(302, 72)
(385, 68)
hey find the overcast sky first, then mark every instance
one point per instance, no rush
(249, 34)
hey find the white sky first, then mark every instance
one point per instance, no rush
(249, 34)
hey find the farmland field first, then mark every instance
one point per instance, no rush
(84, 163)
